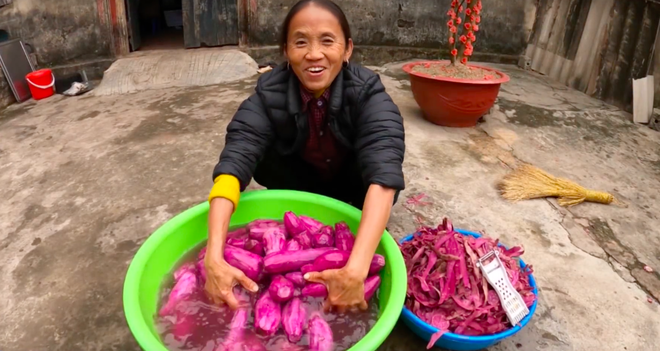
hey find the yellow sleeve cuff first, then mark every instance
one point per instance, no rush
(228, 187)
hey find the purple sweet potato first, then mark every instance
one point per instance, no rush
(314, 290)
(255, 246)
(258, 233)
(371, 284)
(289, 261)
(201, 270)
(324, 237)
(337, 259)
(202, 253)
(293, 224)
(307, 268)
(274, 240)
(249, 263)
(281, 289)
(262, 223)
(296, 278)
(237, 242)
(320, 334)
(304, 239)
(236, 329)
(292, 245)
(267, 314)
(377, 263)
(186, 267)
(238, 233)
(293, 319)
(312, 225)
(344, 239)
(185, 285)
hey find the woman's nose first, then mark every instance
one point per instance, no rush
(314, 52)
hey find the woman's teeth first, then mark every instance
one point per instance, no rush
(315, 69)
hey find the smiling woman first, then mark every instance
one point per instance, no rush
(319, 124)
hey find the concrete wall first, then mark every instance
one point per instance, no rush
(61, 32)
(407, 23)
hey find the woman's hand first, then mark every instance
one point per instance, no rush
(221, 278)
(345, 289)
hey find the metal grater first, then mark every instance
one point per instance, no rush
(495, 273)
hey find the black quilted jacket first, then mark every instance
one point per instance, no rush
(361, 114)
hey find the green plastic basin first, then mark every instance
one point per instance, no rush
(156, 258)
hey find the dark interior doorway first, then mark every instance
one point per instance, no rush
(155, 24)
(178, 24)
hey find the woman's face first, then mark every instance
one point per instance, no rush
(316, 48)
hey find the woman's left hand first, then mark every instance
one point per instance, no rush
(345, 289)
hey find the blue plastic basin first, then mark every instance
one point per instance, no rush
(451, 341)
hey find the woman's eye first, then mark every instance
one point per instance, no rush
(300, 43)
(327, 41)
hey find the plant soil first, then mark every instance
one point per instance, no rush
(459, 71)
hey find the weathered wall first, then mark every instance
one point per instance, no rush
(406, 23)
(61, 32)
(595, 46)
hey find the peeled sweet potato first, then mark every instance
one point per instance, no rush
(371, 284)
(312, 225)
(236, 330)
(292, 245)
(185, 285)
(262, 223)
(186, 267)
(320, 334)
(237, 242)
(238, 233)
(344, 239)
(258, 233)
(377, 263)
(314, 290)
(293, 224)
(249, 263)
(289, 261)
(255, 246)
(274, 240)
(267, 314)
(281, 289)
(324, 237)
(296, 278)
(293, 319)
(201, 270)
(304, 239)
(307, 268)
(337, 259)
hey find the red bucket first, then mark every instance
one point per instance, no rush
(42, 83)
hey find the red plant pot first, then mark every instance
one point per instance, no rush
(453, 102)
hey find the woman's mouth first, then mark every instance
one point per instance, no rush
(315, 71)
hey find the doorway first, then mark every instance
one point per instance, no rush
(178, 24)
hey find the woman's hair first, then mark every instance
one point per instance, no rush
(328, 5)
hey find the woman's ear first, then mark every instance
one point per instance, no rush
(349, 50)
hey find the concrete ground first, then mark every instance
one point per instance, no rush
(87, 179)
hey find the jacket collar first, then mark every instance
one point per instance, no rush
(294, 100)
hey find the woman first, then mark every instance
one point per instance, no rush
(319, 124)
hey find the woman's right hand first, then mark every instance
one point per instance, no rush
(221, 278)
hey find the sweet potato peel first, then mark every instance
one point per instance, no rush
(446, 288)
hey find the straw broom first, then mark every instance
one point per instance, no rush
(529, 182)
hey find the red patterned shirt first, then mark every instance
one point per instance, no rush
(322, 150)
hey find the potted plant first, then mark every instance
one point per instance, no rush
(453, 93)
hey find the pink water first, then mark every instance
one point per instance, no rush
(210, 323)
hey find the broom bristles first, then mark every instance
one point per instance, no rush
(529, 182)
